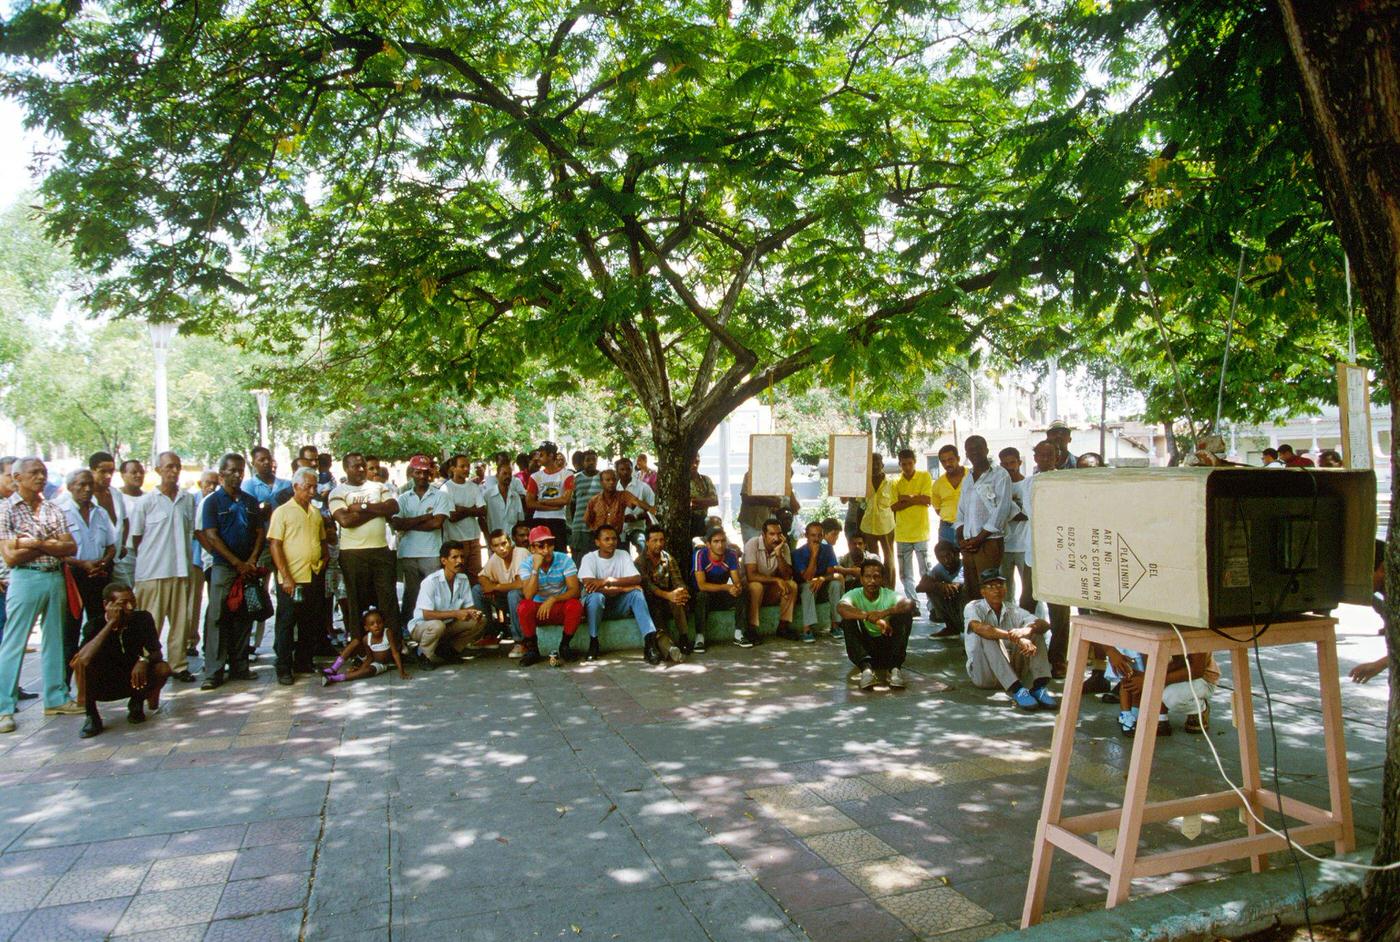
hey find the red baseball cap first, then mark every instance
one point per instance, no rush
(420, 463)
(541, 535)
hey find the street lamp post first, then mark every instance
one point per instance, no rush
(262, 395)
(161, 334)
(874, 418)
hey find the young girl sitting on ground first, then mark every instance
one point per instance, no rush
(378, 646)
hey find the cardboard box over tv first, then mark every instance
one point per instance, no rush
(1203, 546)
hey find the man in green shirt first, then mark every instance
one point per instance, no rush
(878, 629)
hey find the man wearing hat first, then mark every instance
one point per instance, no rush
(423, 509)
(1059, 434)
(550, 595)
(1006, 647)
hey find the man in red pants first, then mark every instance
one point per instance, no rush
(550, 595)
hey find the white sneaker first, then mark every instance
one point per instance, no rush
(867, 679)
(741, 640)
(67, 708)
(517, 651)
(7, 723)
(699, 647)
(676, 655)
(896, 678)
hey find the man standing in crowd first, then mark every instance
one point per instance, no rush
(34, 541)
(1059, 435)
(814, 563)
(702, 498)
(612, 589)
(1292, 460)
(468, 510)
(768, 564)
(1046, 457)
(232, 533)
(103, 466)
(588, 483)
(504, 497)
(663, 584)
(200, 562)
(878, 631)
(550, 595)
(133, 477)
(91, 566)
(754, 510)
(549, 491)
(122, 661)
(361, 506)
(423, 509)
(162, 525)
(1014, 559)
(270, 492)
(501, 585)
(984, 507)
(1271, 458)
(913, 495)
(444, 621)
(1005, 647)
(877, 519)
(644, 473)
(946, 491)
(297, 535)
(7, 487)
(609, 507)
(641, 510)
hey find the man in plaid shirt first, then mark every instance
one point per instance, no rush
(34, 540)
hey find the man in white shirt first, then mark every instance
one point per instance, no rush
(444, 623)
(637, 517)
(1005, 647)
(549, 491)
(984, 508)
(1015, 557)
(423, 509)
(612, 587)
(161, 524)
(361, 507)
(463, 523)
(91, 565)
(501, 584)
(504, 497)
(133, 476)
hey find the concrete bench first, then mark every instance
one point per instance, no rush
(621, 634)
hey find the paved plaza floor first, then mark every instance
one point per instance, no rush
(745, 795)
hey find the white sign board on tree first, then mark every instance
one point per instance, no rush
(1354, 401)
(770, 465)
(850, 465)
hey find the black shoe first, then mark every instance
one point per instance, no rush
(531, 657)
(1096, 682)
(92, 727)
(26, 695)
(135, 711)
(425, 662)
(185, 677)
(285, 678)
(566, 649)
(214, 681)
(593, 649)
(1111, 696)
(449, 656)
(787, 633)
(649, 651)
(687, 645)
(752, 636)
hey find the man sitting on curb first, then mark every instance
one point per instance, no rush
(612, 587)
(444, 621)
(815, 565)
(123, 661)
(501, 585)
(879, 622)
(663, 584)
(1006, 647)
(550, 595)
(768, 562)
(947, 595)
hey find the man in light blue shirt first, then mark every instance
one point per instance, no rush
(91, 566)
(423, 509)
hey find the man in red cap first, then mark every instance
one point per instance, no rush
(422, 511)
(551, 595)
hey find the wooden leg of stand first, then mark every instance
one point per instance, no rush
(1249, 745)
(1139, 771)
(1337, 783)
(1061, 753)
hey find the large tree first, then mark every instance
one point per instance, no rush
(695, 199)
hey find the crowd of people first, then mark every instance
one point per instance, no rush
(129, 584)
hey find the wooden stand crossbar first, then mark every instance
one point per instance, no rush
(1159, 643)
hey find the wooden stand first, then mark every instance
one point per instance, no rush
(1158, 642)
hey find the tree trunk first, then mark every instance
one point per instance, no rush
(1348, 59)
(673, 455)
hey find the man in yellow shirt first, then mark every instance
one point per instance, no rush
(913, 493)
(946, 492)
(297, 536)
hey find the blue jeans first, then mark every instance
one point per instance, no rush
(947, 533)
(907, 552)
(596, 605)
(33, 595)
